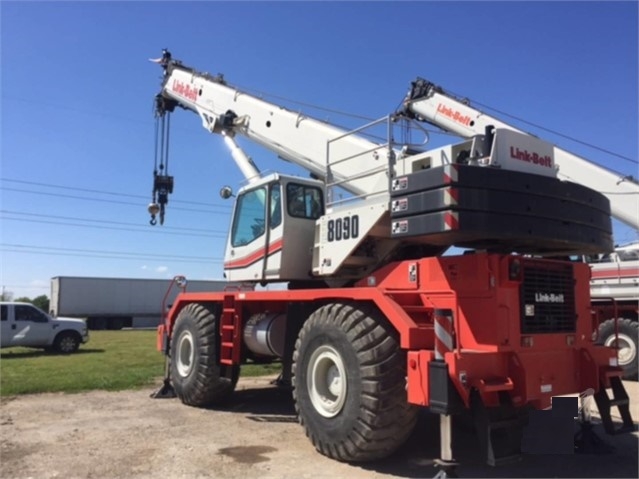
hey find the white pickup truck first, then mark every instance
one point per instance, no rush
(25, 325)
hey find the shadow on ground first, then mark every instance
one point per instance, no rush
(36, 353)
(415, 458)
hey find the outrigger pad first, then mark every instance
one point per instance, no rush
(586, 441)
(499, 210)
(165, 392)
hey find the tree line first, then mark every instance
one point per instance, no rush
(41, 301)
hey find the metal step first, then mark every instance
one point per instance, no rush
(619, 400)
(229, 350)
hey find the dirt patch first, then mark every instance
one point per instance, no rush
(126, 434)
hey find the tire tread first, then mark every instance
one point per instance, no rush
(207, 387)
(385, 418)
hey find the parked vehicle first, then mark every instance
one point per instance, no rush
(614, 290)
(116, 303)
(25, 325)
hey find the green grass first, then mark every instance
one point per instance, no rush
(111, 360)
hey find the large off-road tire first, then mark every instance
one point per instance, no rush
(349, 379)
(67, 342)
(195, 372)
(628, 343)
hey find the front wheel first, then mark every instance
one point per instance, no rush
(66, 342)
(626, 345)
(195, 373)
(349, 383)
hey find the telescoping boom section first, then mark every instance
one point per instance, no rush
(375, 323)
(433, 104)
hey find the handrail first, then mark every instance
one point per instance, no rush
(180, 282)
(384, 166)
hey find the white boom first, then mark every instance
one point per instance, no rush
(292, 136)
(431, 103)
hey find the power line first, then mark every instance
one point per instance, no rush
(112, 228)
(91, 220)
(101, 200)
(104, 192)
(263, 94)
(554, 132)
(94, 256)
(102, 114)
(343, 113)
(101, 253)
(562, 135)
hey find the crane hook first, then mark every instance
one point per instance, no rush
(153, 209)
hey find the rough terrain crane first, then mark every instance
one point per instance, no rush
(376, 322)
(615, 277)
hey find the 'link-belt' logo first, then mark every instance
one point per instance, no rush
(453, 114)
(184, 90)
(549, 298)
(525, 155)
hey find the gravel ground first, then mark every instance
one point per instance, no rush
(126, 434)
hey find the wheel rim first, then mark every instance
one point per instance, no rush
(185, 354)
(67, 344)
(326, 381)
(625, 346)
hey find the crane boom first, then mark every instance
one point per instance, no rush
(430, 103)
(224, 108)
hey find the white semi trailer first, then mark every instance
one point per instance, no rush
(116, 303)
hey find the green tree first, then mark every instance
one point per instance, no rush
(41, 302)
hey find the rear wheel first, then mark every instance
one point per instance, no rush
(349, 383)
(195, 373)
(626, 344)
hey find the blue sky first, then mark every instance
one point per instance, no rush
(77, 90)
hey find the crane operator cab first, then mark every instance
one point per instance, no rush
(269, 213)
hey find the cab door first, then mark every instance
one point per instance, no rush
(245, 249)
(7, 326)
(33, 327)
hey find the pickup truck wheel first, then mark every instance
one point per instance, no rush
(66, 342)
(195, 373)
(349, 383)
(626, 345)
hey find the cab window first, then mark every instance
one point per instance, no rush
(275, 216)
(598, 258)
(4, 316)
(29, 313)
(304, 201)
(248, 224)
(628, 255)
